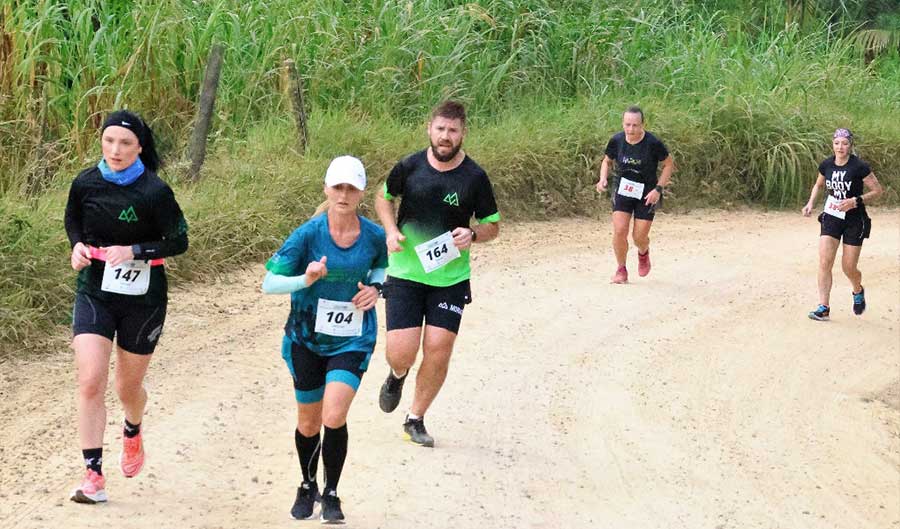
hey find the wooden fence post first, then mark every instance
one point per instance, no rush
(205, 110)
(296, 88)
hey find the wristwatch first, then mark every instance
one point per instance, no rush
(660, 189)
(859, 201)
(379, 287)
(474, 235)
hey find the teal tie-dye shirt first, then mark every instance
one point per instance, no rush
(346, 268)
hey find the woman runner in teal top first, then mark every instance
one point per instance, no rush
(333, 267)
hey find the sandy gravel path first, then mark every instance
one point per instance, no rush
(698, 397)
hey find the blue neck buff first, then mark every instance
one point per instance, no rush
(124, 177)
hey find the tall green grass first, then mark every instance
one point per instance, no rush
(744, 102)
(64, 64)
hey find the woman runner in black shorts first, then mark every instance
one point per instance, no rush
(844, 217)
(636, 154)
(122, 220)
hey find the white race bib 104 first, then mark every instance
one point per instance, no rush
(831, 207)
(131, 278)
(631, 189)
(338, 318)
(437, 252)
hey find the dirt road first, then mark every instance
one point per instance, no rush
(698, 397)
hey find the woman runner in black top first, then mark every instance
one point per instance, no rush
(637, 192)
(843, 175)
(122, 220)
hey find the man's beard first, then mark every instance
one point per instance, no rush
(447, 157)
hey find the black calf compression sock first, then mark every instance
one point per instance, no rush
(308, 451)
(93, 459)
(334, 452)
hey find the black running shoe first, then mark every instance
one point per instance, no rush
(307, 496)
(331, 509)
(391, 391)
(859, 302)
(415, 431)
(821, 313)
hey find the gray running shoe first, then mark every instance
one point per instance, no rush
(391, 391)
(416, 432)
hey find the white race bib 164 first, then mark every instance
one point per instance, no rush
(338, 318)
(131, 278)
(831, 207)
(437, 252)
(631, 189)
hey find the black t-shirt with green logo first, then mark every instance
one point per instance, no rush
(433, 203)
(637, 162)
(101, 213)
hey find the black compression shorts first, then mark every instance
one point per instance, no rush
(407, 303)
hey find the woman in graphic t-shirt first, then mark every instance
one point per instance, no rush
(637, 192)
(844, 176)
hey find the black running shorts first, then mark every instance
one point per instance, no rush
(311, 372)
(636, 207)
(135, 327)
(407, 303)
(852, 229)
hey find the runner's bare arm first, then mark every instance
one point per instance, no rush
(872, 184)
(386, 214)
(604, 174)
(874, 187)
(668, 168)
(487, 231)
(820, 182)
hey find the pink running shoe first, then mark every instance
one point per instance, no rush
(644, 263)
(131, 461)
(621, 276)
(91, 490)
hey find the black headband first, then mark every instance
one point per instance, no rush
(128, 120)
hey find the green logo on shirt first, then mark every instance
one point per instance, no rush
(128, 215)
(452, 199)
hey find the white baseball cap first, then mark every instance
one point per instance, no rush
(346, 170)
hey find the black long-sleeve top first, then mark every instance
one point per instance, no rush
(143, 215)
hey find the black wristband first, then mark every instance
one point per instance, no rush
(660, 189)
(859, 201)
(474, 235)
(379, 287)
(136, 250)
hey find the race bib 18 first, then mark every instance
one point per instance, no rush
(437, 252)
(831, 207)
(631, 189)
(338, 318)
(131, 278)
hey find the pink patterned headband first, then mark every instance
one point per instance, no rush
(843, 133)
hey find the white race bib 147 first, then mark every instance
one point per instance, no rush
(131, 278)
(437, 252)
(631, 189)
(831, 207)
(338, 318)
